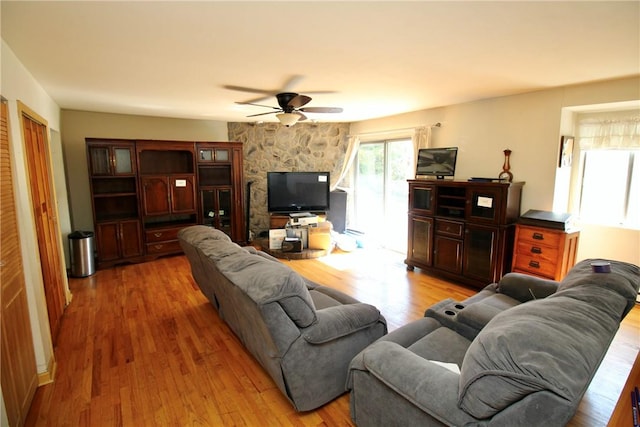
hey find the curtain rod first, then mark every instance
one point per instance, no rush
(435, 125)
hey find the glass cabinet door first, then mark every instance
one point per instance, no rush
(421, 199)
(222, 155)
(224, 210)
(210, 154)
(122, 159)
(480, 252)
(217, 208)
(420, 242)
(110, 160)
(485, 205)
(99, 160)
(205, 155)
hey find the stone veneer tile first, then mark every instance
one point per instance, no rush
(273, 147)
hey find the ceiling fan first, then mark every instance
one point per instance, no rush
(292, 108)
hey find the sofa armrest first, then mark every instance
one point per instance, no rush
(427, 385)
(341, 320)
(525, 288)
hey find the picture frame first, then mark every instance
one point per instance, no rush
(566, 151)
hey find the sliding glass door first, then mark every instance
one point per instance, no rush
(381, 192)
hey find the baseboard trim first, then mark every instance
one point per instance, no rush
(48, 376)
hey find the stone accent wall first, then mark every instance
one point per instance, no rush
(272, 147)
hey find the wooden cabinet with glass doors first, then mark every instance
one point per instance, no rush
(462, 230)
(114, 195)
(144, 192)
(220, 188)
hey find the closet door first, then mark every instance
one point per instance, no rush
(18, 364)
(45, 212)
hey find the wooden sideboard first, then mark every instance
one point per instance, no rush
(463, 230)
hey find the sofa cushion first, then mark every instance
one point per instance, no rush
(624, 279)
(443, 345)
(524, 288)
(553, 344)
(267, 282)
(199, 233)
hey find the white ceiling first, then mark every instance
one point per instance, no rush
(378, 58)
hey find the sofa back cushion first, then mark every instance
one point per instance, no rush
(523, 287)
(262, 279)
(553, 344)
(624, 279)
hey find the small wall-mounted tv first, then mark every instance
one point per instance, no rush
(298, 191)
(436, 162)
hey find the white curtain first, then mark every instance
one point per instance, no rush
(350, 155)
(421, 139)
(614, 133)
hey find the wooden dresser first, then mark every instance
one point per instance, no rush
(544, 252)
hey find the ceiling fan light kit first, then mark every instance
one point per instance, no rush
(288, 119)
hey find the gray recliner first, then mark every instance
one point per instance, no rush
(528, 365)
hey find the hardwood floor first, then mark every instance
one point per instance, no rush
(140, 345)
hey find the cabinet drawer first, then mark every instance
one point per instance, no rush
(172, 246)
(539, 236)
(449, 228)
(537, 252)
(162, 235)
(536, 266)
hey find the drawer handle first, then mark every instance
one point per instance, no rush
(538, 236)
(536, 250)
(157, 234)
(534, 264)
(158, 246)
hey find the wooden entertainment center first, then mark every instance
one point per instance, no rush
(463, 230)
(144, 192)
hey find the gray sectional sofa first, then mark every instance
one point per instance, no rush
(521, 352)
(304, 335)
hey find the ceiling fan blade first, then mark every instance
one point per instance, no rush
(257, 105)
(302, 116)
(322, 110)
(298, 101)
(263, 114)
(250, 90)
(291, 83)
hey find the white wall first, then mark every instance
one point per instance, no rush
(530, 125)
(17, 84)
(78, 125)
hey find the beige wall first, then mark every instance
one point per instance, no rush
(530, 125)
(78, 125)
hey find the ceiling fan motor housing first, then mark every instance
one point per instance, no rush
(289, 101)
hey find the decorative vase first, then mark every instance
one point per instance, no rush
(506, 174)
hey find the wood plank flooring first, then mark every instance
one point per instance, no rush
(140, 345)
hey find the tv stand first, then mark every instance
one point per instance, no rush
(463, 230)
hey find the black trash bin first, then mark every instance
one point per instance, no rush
(81, 251)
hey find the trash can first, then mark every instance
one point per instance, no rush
(81, 251)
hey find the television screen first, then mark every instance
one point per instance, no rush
(297, 191)
(438, 162)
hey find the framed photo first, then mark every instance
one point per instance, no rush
(566, 151)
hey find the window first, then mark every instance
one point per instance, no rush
(610, 171)
(381, 191)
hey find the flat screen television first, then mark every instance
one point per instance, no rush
(298, 191)
(436, 162)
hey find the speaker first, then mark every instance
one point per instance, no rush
(337, 212)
